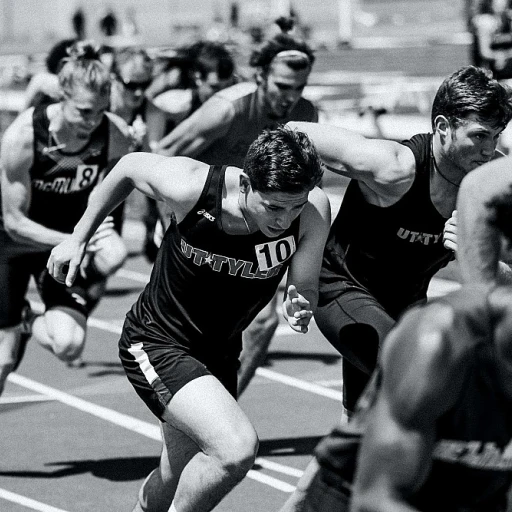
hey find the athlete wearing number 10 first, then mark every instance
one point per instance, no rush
(233, 235)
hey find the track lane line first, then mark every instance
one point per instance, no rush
(27, 502)
(128, 422)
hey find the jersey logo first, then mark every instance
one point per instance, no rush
(84, 178)
(225, 264)
(417, 236)
(474, 454)
(271, 254)
(206, 215)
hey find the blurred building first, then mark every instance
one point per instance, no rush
(37, 24)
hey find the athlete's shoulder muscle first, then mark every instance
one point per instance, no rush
(17, 142)
(422, 371)
(237, 91)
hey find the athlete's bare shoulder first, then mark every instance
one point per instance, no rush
(423, 370)
(18, 140)
(236, 91)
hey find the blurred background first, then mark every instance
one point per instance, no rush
(375, 58)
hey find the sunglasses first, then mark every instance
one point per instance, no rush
(135, 86)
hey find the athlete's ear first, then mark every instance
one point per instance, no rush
(441, 125)
(244, 182)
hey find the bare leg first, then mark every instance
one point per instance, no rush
(166, 476)
(224, 442)
(256, 340)
(62, 331)
(314, 494)
(9, 347)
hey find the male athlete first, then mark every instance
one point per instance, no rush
(233, 235)
(52, 157)
(224, 127)
(432, 431)
(397, 224)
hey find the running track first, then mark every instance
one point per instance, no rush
(76, 440)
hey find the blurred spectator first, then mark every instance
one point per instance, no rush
(78, 22)
(491, 23)
(108, 24)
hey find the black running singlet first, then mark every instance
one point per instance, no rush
(61, 182)
(390, 251)
(206, 286)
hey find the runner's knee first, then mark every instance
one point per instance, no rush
(112, 257)
(239, 456)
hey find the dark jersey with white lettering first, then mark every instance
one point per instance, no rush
(391, 251)
(61, 182)
(472, 459)
(206, 285)
(251, 117)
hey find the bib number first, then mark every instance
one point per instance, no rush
(85, 176)
(275, 253)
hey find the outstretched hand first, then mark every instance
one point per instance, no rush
(298, 310)
(450, 233)
(65, 259)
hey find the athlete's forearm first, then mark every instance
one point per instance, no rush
(33, 236)
(112, 191)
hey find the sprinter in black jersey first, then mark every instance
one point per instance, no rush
(233, 235)
(52, 158)
(396, 226)
(433, 432)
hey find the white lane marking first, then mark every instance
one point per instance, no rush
(23, 399)
(300, 384)
(117, 418)
(27, 502)
(278, 468)
(122, 420)
(270, 481)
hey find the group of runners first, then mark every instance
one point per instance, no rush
(238, 187)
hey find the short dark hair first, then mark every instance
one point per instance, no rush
(501, 217)
(283, 160)
(84, 67)
(57, 53)
(208, 56)
(473, 90)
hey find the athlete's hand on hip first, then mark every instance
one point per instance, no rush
(297, 310)
(64, 261)
(450, 232)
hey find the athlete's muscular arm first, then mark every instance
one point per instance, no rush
(478, 240)
(16, 158)
(199, 131)
(385, 167)
(177, 181)
(422, 377)
(301, 296)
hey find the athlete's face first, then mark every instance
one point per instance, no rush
(209, 85)
(283, 87)
(273, 212)
(83, 110)
(133, 78)
(471, 144)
